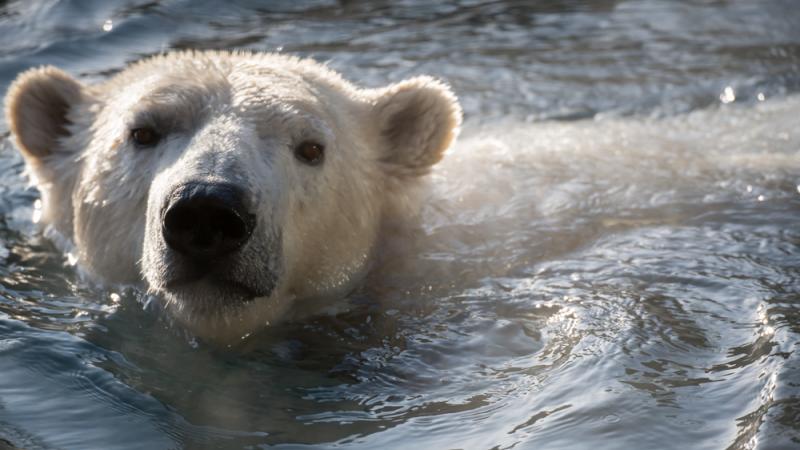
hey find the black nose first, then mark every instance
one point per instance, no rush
(204, 221)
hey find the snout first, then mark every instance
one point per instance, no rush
(206, 221)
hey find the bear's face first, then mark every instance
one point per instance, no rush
(229, 183)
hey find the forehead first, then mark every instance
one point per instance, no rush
(202, 84)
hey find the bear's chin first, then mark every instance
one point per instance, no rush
(206, 296)
(224, 313)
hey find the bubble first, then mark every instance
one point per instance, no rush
(108, 25)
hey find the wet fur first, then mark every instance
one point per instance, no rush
(229, 117)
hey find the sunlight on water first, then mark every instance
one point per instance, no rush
(727, 95)
(608, 257)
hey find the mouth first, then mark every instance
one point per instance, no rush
(214, 287)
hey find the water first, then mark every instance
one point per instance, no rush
(609, 257)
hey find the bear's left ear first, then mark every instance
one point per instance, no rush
(418, 119)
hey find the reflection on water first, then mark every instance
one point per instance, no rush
(608, 258)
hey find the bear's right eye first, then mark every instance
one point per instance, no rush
(145, 136)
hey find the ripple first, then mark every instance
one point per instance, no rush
(608, 256)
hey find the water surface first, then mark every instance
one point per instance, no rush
(609, 258)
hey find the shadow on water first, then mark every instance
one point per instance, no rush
(609, 256)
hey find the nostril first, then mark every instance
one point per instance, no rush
(205, 221)
(178, 220)
(228, 224)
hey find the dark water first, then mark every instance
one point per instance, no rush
(610, 256)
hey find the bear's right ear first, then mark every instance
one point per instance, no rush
(37, 108)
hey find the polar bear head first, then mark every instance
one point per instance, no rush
(229, 183)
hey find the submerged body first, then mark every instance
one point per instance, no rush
(230, 183)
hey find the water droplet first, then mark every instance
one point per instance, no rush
(151, 303)
(749, 188)
(108, 25)
(728, 95)
(798, 188)
(761, 198)
(115, 298)
(761, 97)
(37, 211)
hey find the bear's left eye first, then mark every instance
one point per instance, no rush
(310, 153)
(145, 136)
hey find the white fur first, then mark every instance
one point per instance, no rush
(234, 118)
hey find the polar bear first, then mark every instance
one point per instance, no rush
(230, 184)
